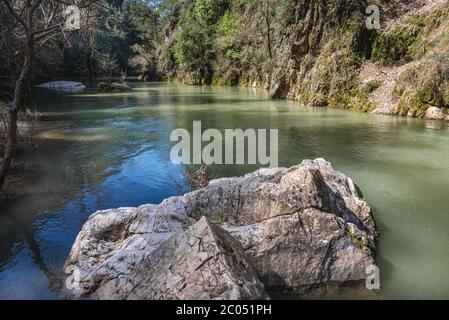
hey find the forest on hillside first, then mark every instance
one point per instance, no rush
(311, 51)
(200, 41)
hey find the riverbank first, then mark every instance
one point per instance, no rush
(401, 69)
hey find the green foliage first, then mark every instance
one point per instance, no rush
(194, 48)
(423, 85)
(227, 35)
(358, 241)
(413, 38)
(191, 45)
(333, 73)
(252, 42)
(364, 90)
(357, 99)
(125, 37)
(208, 12)
(396, 44)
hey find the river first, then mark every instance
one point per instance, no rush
(97, 151)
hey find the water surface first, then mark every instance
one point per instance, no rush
(98, 151)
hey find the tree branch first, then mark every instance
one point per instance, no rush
(45, 31)
(35, 5)
(16, 16)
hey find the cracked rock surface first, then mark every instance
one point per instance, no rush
(200, 262)
(292, 229)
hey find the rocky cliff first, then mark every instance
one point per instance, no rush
(319, 52)
(270, 233)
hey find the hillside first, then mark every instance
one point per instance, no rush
(317, 52)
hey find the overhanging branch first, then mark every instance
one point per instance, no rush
(35, 5)
(45, 31)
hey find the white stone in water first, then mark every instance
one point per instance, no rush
(65, 86)
(434, 113)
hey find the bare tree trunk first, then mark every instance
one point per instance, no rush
(269, 42)
(24, 17)
(19, 99)
(268, 22)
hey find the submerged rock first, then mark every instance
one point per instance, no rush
(113, 87)
(300, 228)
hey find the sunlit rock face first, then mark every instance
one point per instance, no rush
(280, 231)
(434, 113)
(317, 52)
(202, 261)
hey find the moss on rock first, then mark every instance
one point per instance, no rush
(413, 38)
(396, 44)
(422, 85)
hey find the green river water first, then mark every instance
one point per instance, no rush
(97, 151)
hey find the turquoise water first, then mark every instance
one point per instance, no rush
(98, 151)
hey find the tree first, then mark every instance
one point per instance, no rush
(145, 38)
(36, 22)
(108, 63)
(194, 47)
(268, 15)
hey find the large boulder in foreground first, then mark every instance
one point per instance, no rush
(299, 229)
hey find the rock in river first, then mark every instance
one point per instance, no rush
(113, 87)
(63, 86)
(434, 113)
(295, 230)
